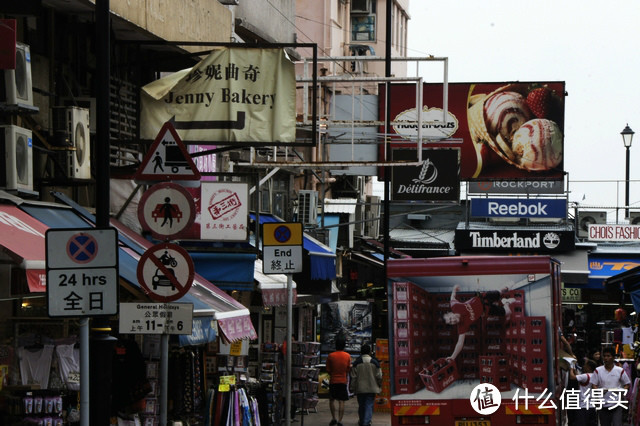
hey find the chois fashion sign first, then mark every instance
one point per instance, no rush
(435, 178)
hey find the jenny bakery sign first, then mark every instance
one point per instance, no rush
(436, 178)
(540, 241)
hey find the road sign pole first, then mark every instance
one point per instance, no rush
(289, 343)
(164, 377)
(84, 371)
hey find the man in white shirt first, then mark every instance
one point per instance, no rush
(586, 416)
(612, 379)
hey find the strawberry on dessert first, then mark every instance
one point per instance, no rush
(537, 145)
(540, 102)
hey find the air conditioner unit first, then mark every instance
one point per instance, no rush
(308, 207)
(586, 218)
(372, 216)
(360, 6)
(77, 126)
(84, 102)
(18, 156)
(17, 82)
(634, 218)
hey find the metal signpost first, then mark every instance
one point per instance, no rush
(282, 252)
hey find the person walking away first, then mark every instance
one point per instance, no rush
(586, 415)
(366, 379)
(338, 366)
(615, 383)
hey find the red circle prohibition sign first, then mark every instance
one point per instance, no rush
(165, 271)
(82, 248)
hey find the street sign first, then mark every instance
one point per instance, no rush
(82, 272)
(166, 272)
(282, 248)
(167, 159)
(156, 318)
(167, 210)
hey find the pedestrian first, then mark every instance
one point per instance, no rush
(465, 314)
(366, 379)
(597, 357)
(338, 366)
(586, 415)
(610, 376)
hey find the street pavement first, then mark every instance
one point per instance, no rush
(323, 415)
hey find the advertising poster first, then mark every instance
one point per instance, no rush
(506, 130)
(351, 319)
(452, 333)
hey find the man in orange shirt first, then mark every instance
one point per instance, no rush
(338, 367)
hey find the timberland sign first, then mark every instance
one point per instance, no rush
(543, 241)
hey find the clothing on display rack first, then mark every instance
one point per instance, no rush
(35, 365)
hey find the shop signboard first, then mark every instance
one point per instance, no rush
(233, 95)
(571, 294)
(224, 211)
(156, 318)
(516, 187)
(514, 240)
(508, 131)
(613, 232)
(436, 178)
(541, 208)
(82, 272)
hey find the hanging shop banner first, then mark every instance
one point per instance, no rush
(515, 240)
(436, 178)
(204, 331)
(512, 131)
(224, 213)
(232, 95)
(547, 208)
(614, 232)
(516, 187)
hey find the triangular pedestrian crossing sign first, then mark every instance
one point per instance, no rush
(167, 159)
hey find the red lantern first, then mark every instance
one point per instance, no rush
(620, 315)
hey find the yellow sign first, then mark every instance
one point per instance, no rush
(236, 348)
(233, 95)
(282, 234)
(225, 383)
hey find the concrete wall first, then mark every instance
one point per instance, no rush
(188, 20)
(274, 18)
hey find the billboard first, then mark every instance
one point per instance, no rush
(511, 131)
(547, 208)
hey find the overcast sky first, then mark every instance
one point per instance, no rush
(593, 46)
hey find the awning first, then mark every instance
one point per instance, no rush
(232, 317)
(322, 259)
(228, 271)
(273, 287)
(22, 238)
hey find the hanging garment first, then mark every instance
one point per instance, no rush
(255, 411)
(35, 365)
(236, 410)
(69, 361)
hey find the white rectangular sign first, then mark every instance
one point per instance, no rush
(82, 272)
(282, 259)
(156, 318)
(224, 211)
(614, 232)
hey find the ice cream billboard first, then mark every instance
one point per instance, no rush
(507, 130)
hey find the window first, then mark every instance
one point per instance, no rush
(361, 6)
(363, 28)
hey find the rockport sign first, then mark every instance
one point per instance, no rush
(520, 240)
